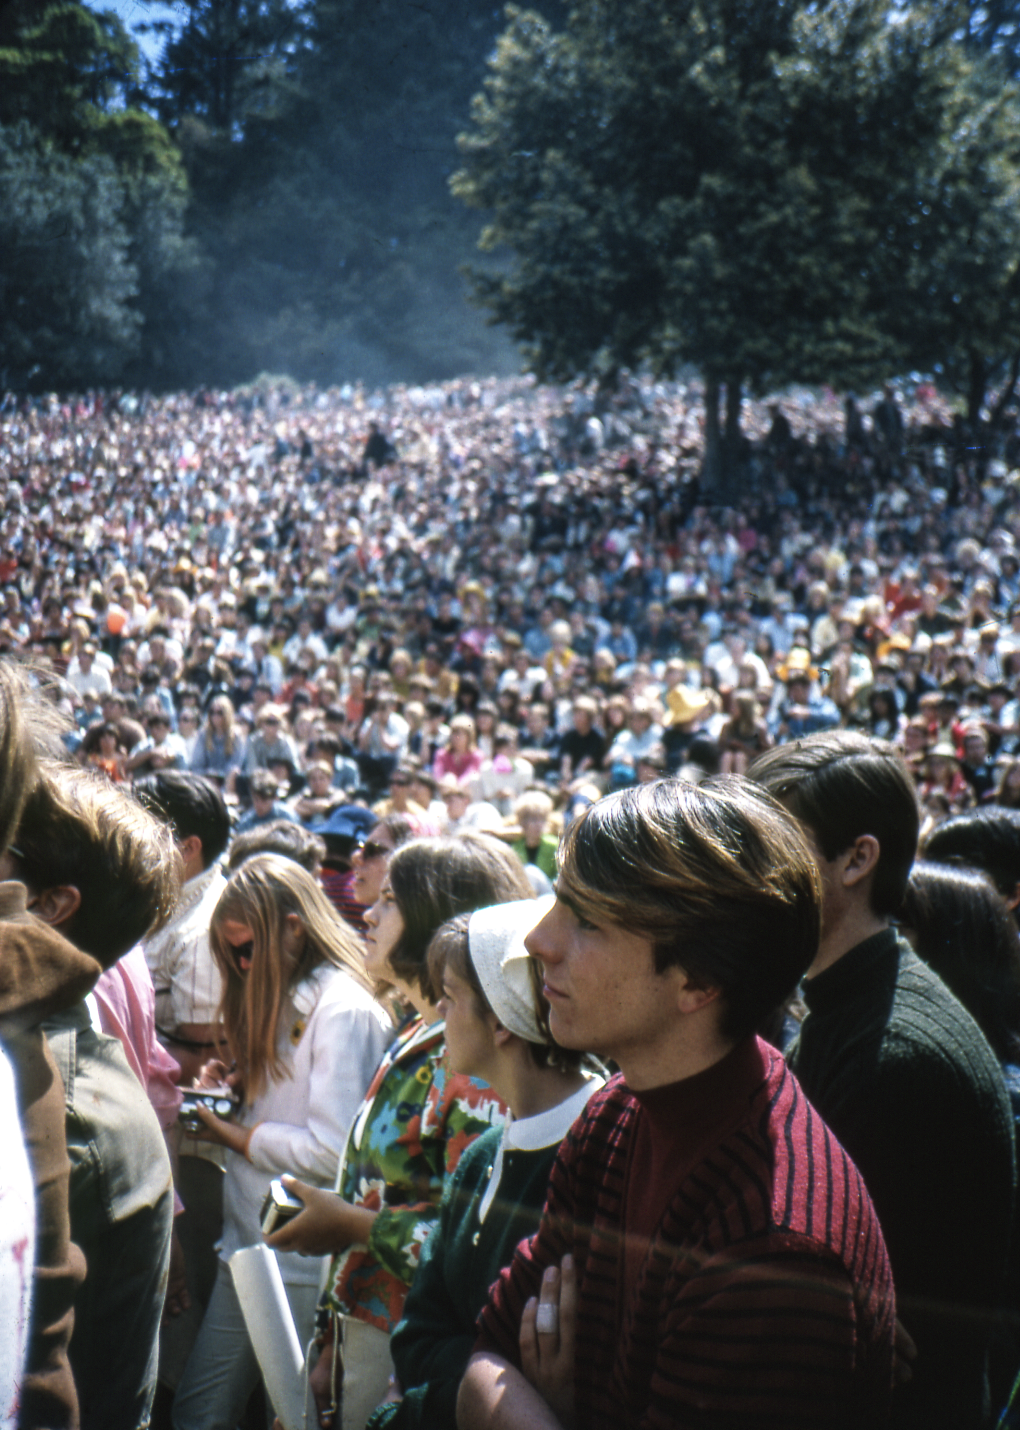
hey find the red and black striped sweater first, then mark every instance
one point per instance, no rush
(762, 1296)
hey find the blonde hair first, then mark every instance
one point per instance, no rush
(464, 722)
(224, 703)
(533, 802)
(262, 893)
(17, 759)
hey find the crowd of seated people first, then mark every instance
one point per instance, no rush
(400, 768)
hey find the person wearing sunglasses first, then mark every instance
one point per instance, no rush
(371, 856)
(305, 1034)
(417, 1119)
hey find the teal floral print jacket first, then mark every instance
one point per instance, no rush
(411, 1131)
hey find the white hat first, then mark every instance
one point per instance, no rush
(496, 947)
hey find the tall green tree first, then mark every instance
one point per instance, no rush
(67, 283)
(122, 277)
(739, 184)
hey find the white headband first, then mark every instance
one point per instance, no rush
(496, 947)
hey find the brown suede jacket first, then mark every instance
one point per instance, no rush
(41, 974)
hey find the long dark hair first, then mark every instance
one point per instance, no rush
(963, 929)
(434, 880)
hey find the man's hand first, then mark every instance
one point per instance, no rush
(320, 1383)
(904, 1354)
(547, 1339)
(326, 1225)
(227, 1134)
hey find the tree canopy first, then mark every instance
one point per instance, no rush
(772, 190)
(92, 204)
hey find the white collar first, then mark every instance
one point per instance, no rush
(532, 1134)
(548, 1128)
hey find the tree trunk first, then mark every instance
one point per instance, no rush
(734, 404)
(711, 472)
(1008, 392)
(977, 378)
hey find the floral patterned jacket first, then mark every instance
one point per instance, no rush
(410, 1132)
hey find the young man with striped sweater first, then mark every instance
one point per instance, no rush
(708, 1255)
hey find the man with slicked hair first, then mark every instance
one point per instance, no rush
(188, 990)
(707, 1253)
(901, 1072)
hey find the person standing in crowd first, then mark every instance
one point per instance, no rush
(417, 1119)
(105, 872)
(987, 839)
(901, 1072)
(699, 1192)
(497, 1030)
(305, 1034)
(219, 746)
(188, 990)
(41, 974)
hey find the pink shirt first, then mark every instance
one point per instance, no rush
(447, 762)
(127, 1010)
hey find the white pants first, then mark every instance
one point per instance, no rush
(367, 1370)
(222, 1370)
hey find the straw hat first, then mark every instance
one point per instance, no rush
(685, 704)
(797, 665)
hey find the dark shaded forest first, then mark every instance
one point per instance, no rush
(271, 194)
(769, 191)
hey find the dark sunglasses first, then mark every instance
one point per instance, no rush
(242, 950)
(372, 850)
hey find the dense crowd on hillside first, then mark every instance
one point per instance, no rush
(366, 567)
(344, 682)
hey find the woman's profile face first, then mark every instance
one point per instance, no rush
(468, 1036)
(240, 939)
(369, 864)
(385, 925)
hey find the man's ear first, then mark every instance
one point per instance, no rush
(500, 1035)
(55, 906)
(190, 849)
(860, 860)
(691, 997)
(1014, 898)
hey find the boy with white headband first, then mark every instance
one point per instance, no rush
(496, 1029)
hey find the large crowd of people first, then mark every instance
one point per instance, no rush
(359, 754)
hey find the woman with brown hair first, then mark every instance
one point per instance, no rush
(497, 1028)
(745, 735)
(305, 1033)
(102, 748)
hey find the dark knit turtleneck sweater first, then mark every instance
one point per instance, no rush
(903, 1076)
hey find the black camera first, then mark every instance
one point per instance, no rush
(279, 1207)
(220, 1100)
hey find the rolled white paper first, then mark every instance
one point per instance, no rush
(271, 1329)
